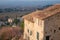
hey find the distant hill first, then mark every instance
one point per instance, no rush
(43, 7)
(12, 12)
(23, 9)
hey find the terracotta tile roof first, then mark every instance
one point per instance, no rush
(52, 8)
(43, 14)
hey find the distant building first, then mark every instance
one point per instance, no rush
(2, 23)
(10, 20)
(20, 19)
(14, 25)
(43, 24)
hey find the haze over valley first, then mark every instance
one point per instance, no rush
(8, 6)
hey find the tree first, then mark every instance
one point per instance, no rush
(22, 25)
(16, 21)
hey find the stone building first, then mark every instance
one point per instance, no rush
(43, 24)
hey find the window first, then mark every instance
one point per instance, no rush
(59, 28)
(30, 32)
(54, 31)
(47, 37)
(39, 22)
(37, 36)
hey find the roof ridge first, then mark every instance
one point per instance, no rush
(42, 14)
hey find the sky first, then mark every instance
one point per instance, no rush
(29, 0)
(11, 3)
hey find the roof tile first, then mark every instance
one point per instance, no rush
(43, 14)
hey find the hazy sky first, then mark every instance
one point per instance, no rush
(13, 3)
(29, 0)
